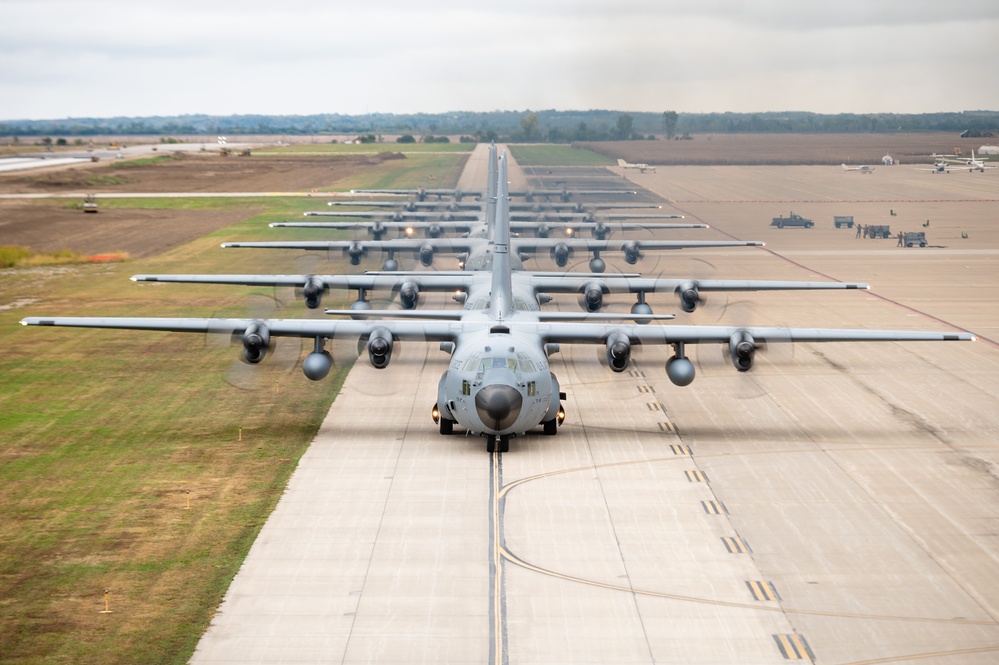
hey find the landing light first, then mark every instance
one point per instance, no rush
(561, 415)
(435, 413)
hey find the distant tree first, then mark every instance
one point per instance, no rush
(61, 142)
(625, 126)
(467, 139)
(529, 127)
(669, 123)
(406, 138)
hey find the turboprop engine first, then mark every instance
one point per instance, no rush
(689, 296)
(618, 351)
(313, 292)
(742, 350)
(593, 296)
(355, 251)
(256, 342)
(561, 253)
(426, 254)
(409, 294)
(380, 348)
(632, 252)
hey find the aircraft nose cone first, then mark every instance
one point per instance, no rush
(498, 405)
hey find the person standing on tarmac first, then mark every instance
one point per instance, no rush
(901, 238)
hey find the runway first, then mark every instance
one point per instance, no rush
(837, 504)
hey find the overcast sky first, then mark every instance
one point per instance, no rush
(86, 58)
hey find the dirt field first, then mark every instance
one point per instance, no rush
(192, 172)
(787, 149)
(56, 226)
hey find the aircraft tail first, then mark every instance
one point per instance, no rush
(622, 163)
(501, 298)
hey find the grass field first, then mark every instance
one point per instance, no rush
(103, 434)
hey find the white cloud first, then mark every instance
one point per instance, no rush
(303, 56)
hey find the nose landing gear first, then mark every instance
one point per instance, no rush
(502, 445)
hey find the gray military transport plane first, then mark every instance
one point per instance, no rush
(531, 288)
(498, 382)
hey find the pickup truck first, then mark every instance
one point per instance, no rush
(794, 220)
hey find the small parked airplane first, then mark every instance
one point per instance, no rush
(863, 169)
(643, 168)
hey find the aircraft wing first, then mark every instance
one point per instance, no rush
(398, 214)
(445, 245)
(423, 225)
(609, 216)
(458, 314)
(611, 283)
(589, 245)
(430, 331)
(389, 281)
(565, 193)
(563, 333)
(581, 333)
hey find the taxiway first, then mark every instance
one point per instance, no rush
(836, 504)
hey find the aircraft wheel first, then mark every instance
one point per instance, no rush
(447, 426)
(504, 444)
(551, 426)
(490, 444)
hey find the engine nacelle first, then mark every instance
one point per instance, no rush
(593, 296)
(742, 350)
(355, 251)
(632, 252)
(561, 253)
(434, 231)
(426, 255)
(618, 351)
(689, 296)
(543, 230)
(313, 292)
(380, 348)
(256, 342)
(409, 294)
(601, 231)
(377, 230)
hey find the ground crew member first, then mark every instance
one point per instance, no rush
(859, 230)
(900, 238)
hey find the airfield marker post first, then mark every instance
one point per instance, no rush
(107, 602)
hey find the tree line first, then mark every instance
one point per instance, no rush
(520, 126)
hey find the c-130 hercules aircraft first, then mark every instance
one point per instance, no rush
(498, 382)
